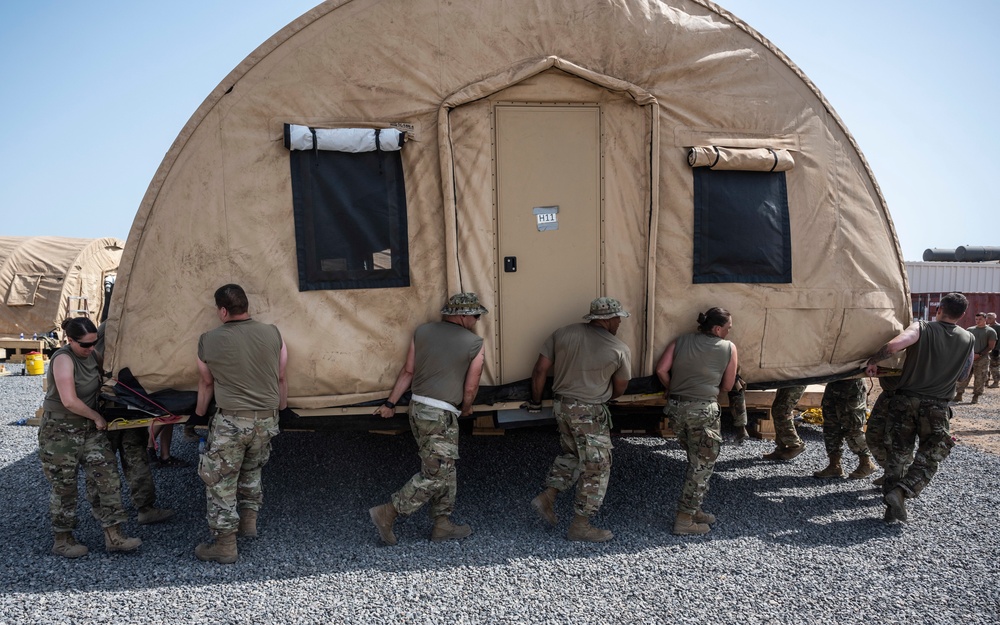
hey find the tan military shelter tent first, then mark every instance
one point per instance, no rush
(47, 279)
(375, 156)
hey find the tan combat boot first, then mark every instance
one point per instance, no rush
(151, 514)
(248, 523)
(865, 468)
(116, 540)
(67, 547)
(832, 470)
(685, 524)
(544, 504)
(581, 529)
(444, 529)
(221, 550)
(383, 517)
(700, 516)
(975, 399)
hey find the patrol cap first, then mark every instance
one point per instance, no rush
(605, 308)
(464, 304)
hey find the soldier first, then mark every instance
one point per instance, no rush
(991, 321)
(130, 445)
(242, 363)
(939, 353)
(844, 407)
(875, 435)
(986, 340)
(442, 368)
(693, 369)
(71, 434)
(591, 366)
(738, 409)
(787, 443)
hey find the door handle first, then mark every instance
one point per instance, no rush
(510, 264)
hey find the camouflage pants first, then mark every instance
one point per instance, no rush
(738, 408)
(785, 400)
(909, 418)
(844, 404)
(995, 366)
(585, 439)
(64, 444)
(130, 445)
(236, 451)
(698, 429)
(875, 432)
(980, 369)
(436, 432)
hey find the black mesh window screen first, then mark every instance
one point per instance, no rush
(741, 229)
(350, 219)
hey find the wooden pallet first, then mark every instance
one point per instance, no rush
(15, 349)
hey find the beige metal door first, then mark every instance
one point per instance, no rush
(548, 167)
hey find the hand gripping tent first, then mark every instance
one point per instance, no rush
(44, 280)
(376, 156)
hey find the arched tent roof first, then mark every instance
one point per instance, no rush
(47, 279)
(663, 76)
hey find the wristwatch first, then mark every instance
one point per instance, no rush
(388, 404)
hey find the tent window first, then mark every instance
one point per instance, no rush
(741, 231)
(350, 208)
(22, 290)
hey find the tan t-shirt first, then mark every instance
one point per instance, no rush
(243, 358)
(443, 352)
(699, 363)
(585, 358)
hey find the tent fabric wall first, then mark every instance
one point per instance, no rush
(61, 268)
(669, 76)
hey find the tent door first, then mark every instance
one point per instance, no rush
(549, 226)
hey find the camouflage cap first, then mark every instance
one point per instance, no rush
(464, 304)
(605, 308)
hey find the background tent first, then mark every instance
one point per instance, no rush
(47, 279)
(537, 153)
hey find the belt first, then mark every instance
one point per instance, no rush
(686, 398)
(573, 400)
(921, 397)
(248, 414)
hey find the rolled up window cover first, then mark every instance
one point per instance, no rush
(741, 159)
(343, 139)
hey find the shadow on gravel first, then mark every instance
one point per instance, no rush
(319, 486)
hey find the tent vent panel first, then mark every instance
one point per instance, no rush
(23, 289)
(796, 337)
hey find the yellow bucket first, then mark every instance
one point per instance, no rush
(34, 363)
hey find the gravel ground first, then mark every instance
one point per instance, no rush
(787, 548)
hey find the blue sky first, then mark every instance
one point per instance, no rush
(94, 93)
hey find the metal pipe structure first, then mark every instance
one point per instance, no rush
(970, 254)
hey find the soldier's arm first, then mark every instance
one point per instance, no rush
(472, 382)
(967, 369)
(403, 380)
(206, 388)
(538, 374)
(618, 387)
(729, 377)
(903, 340)
(663, 366)
(282, 380)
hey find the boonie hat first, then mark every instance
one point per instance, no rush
(464, 304)
(605, 308)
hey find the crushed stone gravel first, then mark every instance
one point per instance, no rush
(787, 548)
